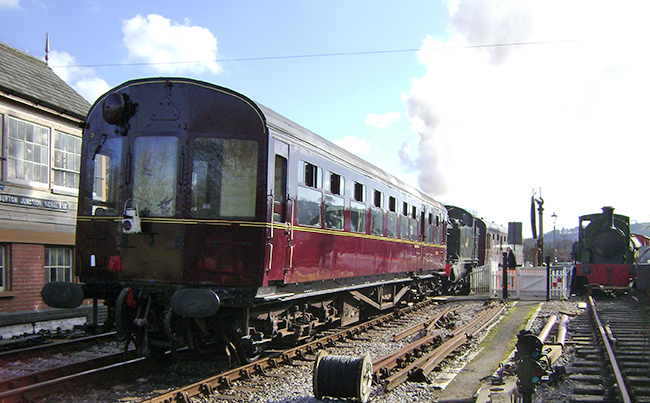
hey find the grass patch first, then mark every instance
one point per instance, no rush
(510, 344)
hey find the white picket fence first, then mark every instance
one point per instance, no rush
(523, 282)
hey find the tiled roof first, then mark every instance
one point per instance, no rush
(29, 78)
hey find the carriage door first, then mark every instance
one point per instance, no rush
(280, 236)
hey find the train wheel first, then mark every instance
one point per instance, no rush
(465, 288)
(125, 314)
(248, 351)
(580, 287)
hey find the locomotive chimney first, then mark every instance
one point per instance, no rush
(608, 217)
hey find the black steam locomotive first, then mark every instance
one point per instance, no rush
(605, 253)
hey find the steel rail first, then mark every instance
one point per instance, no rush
(31, 392)
(49, 374)
(426, 325)
(54, 347)
(622, 387)
(423, 366)
(224, 380)
(388, 362)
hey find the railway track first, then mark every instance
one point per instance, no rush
(611, 340)
(34, 372)
(413, 362)
(125, 369)
(55, 347)
(428, 359)
(38, 383)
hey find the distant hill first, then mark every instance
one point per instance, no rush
(572, 233)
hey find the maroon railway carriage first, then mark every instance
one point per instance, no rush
(204, 216)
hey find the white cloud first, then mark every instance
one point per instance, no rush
(567, 116)
(10, 4)
(353, 144)
(82, 79)
(91, 88)
(171, 48)
(382, 121)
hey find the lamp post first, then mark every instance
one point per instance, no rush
(554, 217)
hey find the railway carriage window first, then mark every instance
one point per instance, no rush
(391, 218)
(378, 199)
(430, 230)
(413, 226)
(334, 207)
(313, 175)
(154, 176)
(359, 192)
(357, 216)
(404, 222)
(376, 221)
(404, 227)
(106, 176)
(308, 207)
(336, 183)
(224, 178)
(391, 224)
(280, 188)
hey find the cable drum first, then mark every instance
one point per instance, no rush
(342, 376)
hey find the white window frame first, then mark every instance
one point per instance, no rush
(62, 270)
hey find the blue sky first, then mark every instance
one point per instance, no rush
(479, 103)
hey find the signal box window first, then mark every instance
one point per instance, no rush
(3, 271)
(1, 142)
(224, 178)
(67, 160)
(58, 264)
(28, 152)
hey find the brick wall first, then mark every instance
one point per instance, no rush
(27, 278)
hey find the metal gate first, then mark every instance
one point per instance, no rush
(523, 282)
